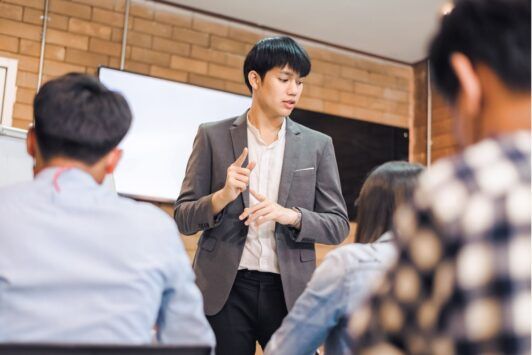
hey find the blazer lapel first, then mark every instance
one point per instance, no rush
(291, 156)
(240, 141)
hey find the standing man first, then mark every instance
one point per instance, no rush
(256, 252)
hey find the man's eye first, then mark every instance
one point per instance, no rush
(283, 80)
(299, 82)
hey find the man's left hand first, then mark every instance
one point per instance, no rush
(266, 211)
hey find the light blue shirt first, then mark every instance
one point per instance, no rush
(79, 264)
(338, 286)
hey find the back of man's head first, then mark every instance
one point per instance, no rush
(77, 117)
(495, 33)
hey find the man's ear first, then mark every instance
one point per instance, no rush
(469, 98)
(31, 142)
(112, 159)
(254, 79)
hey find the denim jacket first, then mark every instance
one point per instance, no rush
(338, 286)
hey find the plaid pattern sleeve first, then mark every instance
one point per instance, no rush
(462, 281)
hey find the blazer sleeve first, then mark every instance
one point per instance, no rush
(193, 209)
(328, 222)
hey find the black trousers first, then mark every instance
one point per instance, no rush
(253, 312)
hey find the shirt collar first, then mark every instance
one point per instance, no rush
(254, 130)
(69, 176)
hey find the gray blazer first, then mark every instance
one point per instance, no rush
(309, 181)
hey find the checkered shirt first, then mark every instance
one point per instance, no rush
(462, 281)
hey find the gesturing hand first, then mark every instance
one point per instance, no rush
(267, 210)
(237, 178)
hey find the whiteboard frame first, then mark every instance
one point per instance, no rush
(10, 90)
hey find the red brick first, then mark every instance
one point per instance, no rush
(150, 57)
(23, 111)
(137, 67)
(229, 45)
(326, 68)
(190, 36)
(89, 59)
(206, 81)
(244, 34)
(237, 88)
(172, 16)
(19, 29)
(171, 46)
(32, 16)
(210, 25)
(209, 55)
(8, 43)
(107, 4)
(176, 75)
(100, 46)
(89, 28)
(395, 95)
(54, 68)
(334, 82)
(69, 8)
(110, 18)
(22, 123)
(321, 93)
(33, 48)
(54, 20)
(355, 74)
(144, 10)
(36, 4)
(235, 61)
(25, 96)
(12, 12)
(368, 89)
(152, 27)
(67, 39)
(308, 103)
(227, 73)
(139, 39)
(26, 79)
(187, 64)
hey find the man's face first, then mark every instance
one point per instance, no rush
(279, 91)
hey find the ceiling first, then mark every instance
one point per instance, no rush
(393, 29)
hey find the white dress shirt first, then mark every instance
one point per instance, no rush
(260, 251)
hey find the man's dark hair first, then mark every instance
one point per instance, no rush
(386, 187)
(276, 52)
(493, 32)
(77, 117)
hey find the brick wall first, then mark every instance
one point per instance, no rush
(181, 45)
(443, 141)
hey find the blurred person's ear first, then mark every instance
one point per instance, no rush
(31, 142)
(468, 103)
(112, 159)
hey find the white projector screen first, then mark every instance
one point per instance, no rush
(16, 165)
(166, 116)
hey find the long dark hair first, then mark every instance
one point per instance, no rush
(386, 187)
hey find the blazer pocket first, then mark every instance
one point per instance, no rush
(208, 244)
(305, 172)
(307, 255)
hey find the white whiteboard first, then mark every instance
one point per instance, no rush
(166, 116)
(16, 165)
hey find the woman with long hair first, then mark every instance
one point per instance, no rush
(349, 273)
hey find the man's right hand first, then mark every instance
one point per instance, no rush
(236, 182)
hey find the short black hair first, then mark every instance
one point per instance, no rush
(387, 186)
(77, 117)
(276, 52)
(493, 32)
